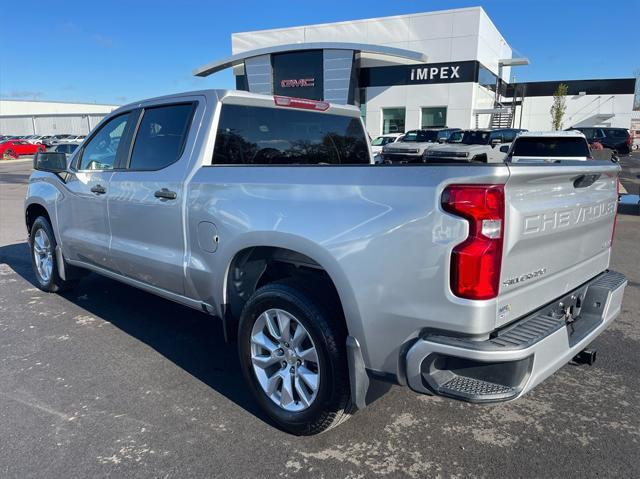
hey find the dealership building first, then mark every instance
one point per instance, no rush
(31, 117)
(450, 67)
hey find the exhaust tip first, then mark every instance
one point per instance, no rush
(586, 356)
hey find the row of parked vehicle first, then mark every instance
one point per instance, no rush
(16, 146)
(490, 146)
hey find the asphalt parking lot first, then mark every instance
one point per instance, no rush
(107, 380)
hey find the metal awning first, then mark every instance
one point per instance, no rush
(597, 119)
(364, 48)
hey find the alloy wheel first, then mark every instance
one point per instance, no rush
(43, 255)
(285, 360)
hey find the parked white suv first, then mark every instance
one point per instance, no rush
(548, 146)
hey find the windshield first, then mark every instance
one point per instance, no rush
(420, 136)
(550, 147)
(470, 137)
(381, 141)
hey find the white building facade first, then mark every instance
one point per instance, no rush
(26, 117)
(420, 70)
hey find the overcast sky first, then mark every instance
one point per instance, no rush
(116, 51)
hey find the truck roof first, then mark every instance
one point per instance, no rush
(553, 134)
(241, 97)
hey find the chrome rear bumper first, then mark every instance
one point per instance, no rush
(518, 357)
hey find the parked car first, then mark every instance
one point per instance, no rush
(66, 148)
(473, 146)
(381, 141)
(36, 139)
(618, 139)
(16, 148)
(54, 139)
(412, 146)
(548, 146)
(635, 139)
(460, 282)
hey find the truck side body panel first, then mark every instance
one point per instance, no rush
(378, 231)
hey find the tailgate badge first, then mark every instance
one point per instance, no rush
(524, 277)
(504, 311)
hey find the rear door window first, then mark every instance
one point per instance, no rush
(550, 147)
(161, 135)
(589, 133)
(616, 132)
(249, 135)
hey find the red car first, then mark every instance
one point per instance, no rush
(15, 148)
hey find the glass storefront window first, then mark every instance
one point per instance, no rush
(434, 117)
(393, 120)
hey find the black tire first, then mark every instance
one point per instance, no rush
(323, 320)
(54, 283)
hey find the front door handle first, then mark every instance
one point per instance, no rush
(165, 194)
(98, 190)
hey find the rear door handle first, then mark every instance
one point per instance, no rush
(98, 190)
(166, 194)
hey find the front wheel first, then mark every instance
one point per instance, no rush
(293, 357)
(42, 243)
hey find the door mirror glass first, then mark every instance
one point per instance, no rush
(504, 149)
(53, 162)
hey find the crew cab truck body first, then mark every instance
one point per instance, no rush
(473, 282)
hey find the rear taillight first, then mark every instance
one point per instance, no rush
(629, 140)
(301, 103)
(476, 262)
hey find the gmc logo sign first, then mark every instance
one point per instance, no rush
(303, 82)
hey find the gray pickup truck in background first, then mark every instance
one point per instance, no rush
(474, 282)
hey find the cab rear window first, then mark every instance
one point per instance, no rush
(550, 147)
(249, 135)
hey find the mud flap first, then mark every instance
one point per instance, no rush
(358, 378)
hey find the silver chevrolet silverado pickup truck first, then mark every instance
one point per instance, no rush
(474, 282)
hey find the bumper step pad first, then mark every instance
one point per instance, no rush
(470, 388)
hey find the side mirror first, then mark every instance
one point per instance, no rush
(504, 149)
(53, 162)
(496, 141)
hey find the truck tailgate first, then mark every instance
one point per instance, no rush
(559, 220)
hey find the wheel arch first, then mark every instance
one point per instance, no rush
(257, 262)
(32, 212)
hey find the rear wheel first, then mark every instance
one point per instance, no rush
(10, 153)
(42, 243)
(292, 351)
